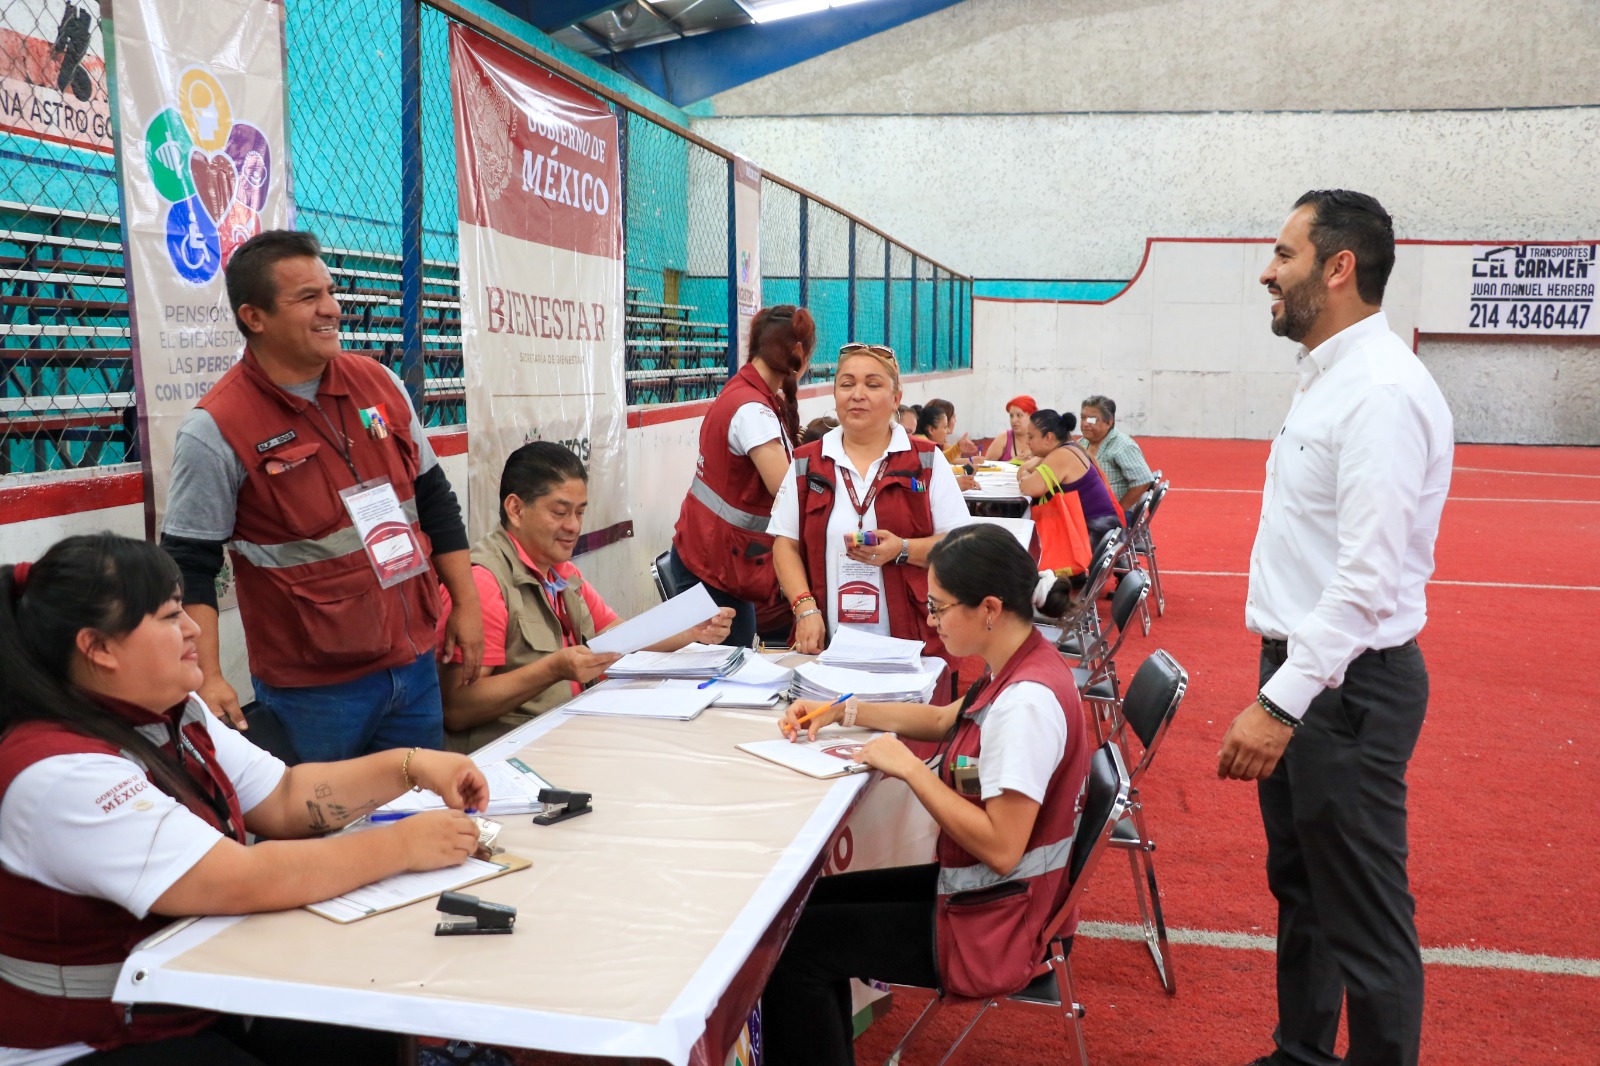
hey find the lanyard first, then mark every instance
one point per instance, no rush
(208, 789)
(334, 438)
(872, 493)
(553, 590)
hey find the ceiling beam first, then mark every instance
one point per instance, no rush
(552, 15)
(692, 69)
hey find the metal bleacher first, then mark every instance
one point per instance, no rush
(673, 354)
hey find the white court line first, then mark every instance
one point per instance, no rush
(1521, 473)
(1436, 581)
(1474, 958)
(1452, 499)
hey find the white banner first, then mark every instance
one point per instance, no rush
(203, 163)
(539, 198)
(1509, 288)
(747, 241)
(53, 73)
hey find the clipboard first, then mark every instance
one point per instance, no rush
(402, 890)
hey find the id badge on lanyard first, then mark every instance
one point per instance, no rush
(860, 584)
(387, 537)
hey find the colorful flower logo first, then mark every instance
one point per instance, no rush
(214, 173)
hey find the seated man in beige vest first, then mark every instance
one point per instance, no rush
(538, 611)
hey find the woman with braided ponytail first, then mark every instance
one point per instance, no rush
(746, 441)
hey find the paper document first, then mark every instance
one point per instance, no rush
(697, 660)
(1021, 528)
(726, 693)
(640, 699)
(403, 889)
(862, 650)
(513, 789)
(816, 681)
(995, 485)
(665, 620)
(832, 754)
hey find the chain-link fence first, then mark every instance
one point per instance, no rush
(66, 378)
(377, 184)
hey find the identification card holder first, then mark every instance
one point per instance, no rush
(860, 596)
(966, 780)
(386, 535)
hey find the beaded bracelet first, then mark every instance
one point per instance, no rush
(1278, 714)
(794, 604)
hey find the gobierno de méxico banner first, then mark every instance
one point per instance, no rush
(540, 214)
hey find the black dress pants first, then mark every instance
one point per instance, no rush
(872, 924)
(1335, 817)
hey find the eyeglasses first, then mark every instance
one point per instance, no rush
(882, 351)
(935, 609)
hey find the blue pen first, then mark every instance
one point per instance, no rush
(390, 816)
(708, 682)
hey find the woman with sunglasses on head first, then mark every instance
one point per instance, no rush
(859, 510)
(1049, 438)
(1004, 789)
(746, 442)
(124, 804)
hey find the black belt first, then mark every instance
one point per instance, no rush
(1282, 646)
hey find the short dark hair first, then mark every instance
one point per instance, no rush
(980, 560)
(929, 417)
(249, 271)
(535, 469)
(1346, 221)
(1104, 404)
(1059, 424)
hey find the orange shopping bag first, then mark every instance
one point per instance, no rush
(1063, 533)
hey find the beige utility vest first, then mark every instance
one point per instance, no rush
(532, 632)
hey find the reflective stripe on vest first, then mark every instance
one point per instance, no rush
(335, 545)
(63, 982)
(726, 511)
(1041, 860)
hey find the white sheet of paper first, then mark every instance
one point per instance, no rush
(686, 609)
(513, 789)
(654, 702)
(402, 889)
(733, 694)
(1021, 528)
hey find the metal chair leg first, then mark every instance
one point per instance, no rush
(976, 1018)
(917, 1026)
(1141, 861)
(1071, 1011)
(1155, 577)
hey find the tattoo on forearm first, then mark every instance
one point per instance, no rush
(350, 814)
(319, 823)
(323, 791)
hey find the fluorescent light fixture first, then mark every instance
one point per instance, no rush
(783, 9)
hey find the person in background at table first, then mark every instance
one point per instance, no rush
(907, 415)
(1048, 440)
(956, 450)
(1118, 455)
(538, 610)
(817, 428)
(341, 644)
(1011, 769)
(124, 804)
(746, 441)
(1013, 444)
(867, 476)
(933, 425)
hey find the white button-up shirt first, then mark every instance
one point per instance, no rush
(1356, 481)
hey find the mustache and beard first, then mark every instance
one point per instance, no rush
(1302, 306)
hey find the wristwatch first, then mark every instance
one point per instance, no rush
(905, 551)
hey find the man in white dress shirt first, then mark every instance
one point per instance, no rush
(1356, 482)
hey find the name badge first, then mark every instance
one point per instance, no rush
(390, 542)
(860, 595)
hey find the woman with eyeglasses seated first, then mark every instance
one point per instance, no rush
(1004, 789)
(746, 442)
(1049, 438)
(124, 804)
(858, 512)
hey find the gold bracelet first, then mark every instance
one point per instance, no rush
(405, 772)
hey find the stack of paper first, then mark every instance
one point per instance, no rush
(857, 649)
(832, 754)
(641, 699)
(818, 681)
(757, 683)
(513, 789)
(694, 661)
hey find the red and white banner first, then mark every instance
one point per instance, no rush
(204, 165)
(53, 73)
(540, 205)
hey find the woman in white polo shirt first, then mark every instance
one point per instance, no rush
(124, 803)
(892, 496)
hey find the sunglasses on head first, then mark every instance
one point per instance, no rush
(882, 351)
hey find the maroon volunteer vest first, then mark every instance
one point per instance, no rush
(312, 608)
(991, 929)
(721, 534)
(86, 936)
(904, 506)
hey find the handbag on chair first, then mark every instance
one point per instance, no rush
(1063, 534)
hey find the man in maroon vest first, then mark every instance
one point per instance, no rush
(311, 466)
